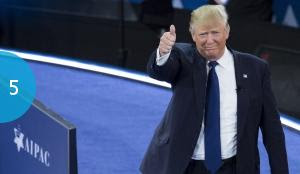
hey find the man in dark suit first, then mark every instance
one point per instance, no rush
(221, 97)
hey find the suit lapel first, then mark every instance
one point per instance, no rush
(242, 94)
(199, 77)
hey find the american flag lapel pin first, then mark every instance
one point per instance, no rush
(245, 76)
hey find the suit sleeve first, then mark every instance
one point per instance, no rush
(166, 72)
(273, 136)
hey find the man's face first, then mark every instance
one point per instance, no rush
(211, 39)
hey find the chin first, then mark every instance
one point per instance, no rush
(211, 56)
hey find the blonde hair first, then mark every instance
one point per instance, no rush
(206, 14)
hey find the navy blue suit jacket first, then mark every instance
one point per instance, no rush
(175, 138)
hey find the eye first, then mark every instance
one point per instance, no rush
(203, 34)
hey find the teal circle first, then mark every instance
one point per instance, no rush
(17, 87)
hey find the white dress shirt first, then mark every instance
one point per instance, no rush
(228, 106)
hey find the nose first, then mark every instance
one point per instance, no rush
(210, 38)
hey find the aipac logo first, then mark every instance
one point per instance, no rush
(29, 146)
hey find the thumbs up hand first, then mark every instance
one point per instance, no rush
(167, 41)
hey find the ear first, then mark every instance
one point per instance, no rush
(192, 32)
(227, 31)
(194, 36)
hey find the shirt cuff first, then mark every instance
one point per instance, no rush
(161, 60)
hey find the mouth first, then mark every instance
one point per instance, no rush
(208, 49)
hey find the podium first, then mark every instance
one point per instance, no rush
(39, 142)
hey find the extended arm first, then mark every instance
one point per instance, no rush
(273, 136)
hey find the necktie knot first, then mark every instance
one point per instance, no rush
(212, 64)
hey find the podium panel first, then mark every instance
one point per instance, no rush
(40, 142)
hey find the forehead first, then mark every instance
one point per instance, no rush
(210, 25)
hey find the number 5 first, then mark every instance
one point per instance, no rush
(14, 86)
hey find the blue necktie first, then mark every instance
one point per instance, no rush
(212, 140)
